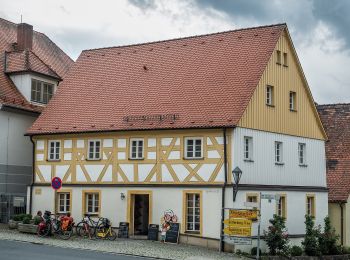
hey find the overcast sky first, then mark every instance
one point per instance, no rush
(320, 29)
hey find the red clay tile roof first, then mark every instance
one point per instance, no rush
(45, 57)
(336, 121)
(27, 61)
(206, 81)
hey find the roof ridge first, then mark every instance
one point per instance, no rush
(333, 104)
(187, 37)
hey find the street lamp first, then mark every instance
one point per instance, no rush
(236, 173)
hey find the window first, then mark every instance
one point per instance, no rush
(278, 152)
(269, 95)
(302, 153)
(278, 55)
(248, 148)
(136, 151)
(193, 148)
(310, 205)
(94, 150)
(54, 150)
(41, 91)
(92, 203)
(285, 59)
(292, 97)
(64, 201)
(252, 198)
(281, 206)
(193, 212)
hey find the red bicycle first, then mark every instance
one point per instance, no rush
(60, 225)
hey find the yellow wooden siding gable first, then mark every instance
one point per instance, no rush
(284, 78)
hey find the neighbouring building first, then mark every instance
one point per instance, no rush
(138, 130)
(336, 121)
(31, 67)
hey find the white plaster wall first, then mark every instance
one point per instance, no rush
(23, 83)
(296, 208)
(115, 209)
(263, 170)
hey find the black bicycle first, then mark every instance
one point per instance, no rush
(87, 227)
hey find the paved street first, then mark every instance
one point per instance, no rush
(14, 250)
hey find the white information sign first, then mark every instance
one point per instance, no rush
(238, 240)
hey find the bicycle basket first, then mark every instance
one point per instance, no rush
(106, 222)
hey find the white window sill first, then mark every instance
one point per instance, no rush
(92, 159)
(303, 165)
(248, 160)
(53, 160)
(193, 158)
(279, 163)
(133, 159)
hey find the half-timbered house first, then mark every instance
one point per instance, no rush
(137, 130)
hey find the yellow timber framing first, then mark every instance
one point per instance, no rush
(159, 156)
(131, 206)
(304, 121)
(83, 199)
(56, 203)
(184, 211)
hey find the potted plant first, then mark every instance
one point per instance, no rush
(27, 225)
(13, 223)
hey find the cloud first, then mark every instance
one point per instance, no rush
(319, 28)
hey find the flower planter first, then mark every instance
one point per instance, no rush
(27, 228)
(13, 224)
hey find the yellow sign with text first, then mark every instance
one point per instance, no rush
(238, 231)
(247, 214)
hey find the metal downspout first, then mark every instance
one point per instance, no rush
(223, 192)
(341, 223)
(32, 184)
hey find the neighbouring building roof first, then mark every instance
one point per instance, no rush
(43, 57)
(196, 82)
(336, 121)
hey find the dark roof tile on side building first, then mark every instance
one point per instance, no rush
(336, 121)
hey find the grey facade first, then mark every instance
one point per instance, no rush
(15, 161)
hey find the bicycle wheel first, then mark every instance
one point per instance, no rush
(45, 231)
(86, 231)
(112, 235)
(66, 234)
(78, 227)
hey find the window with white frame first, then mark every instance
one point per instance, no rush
(54, 150)
(292, 100)
(94, 149)
(193, 148)
(193, 212)
(64, 201)
(269, 95)
(41, 91)
(248, 148)
(302, 153)
(310, 205)
(282, 206)
(92, 203)
(278, 152)
(136, 148)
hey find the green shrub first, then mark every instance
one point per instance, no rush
(26, 220)
(328, 240)
(346, 250)
(254, 250)
(277, 237)
(37, 220)
(310, 243)
(296, 251)
(20, 217)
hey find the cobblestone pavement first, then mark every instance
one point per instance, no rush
(122, 246)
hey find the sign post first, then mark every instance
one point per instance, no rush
(56, 184)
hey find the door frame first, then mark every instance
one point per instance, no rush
(131, 204)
